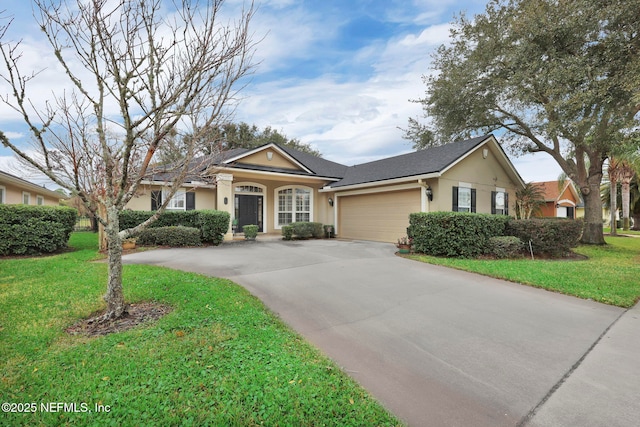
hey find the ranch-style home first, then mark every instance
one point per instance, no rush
(15, 190)
(272, 186)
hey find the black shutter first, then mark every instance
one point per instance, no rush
(191, 200)
(473, 200)
(570, 212)
(506, 203)
(156, 200)
(454, 197)
(493, 202)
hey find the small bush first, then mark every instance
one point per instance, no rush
(287, 232)
(454, 234)
(29, 230)
(551, 236)
(170, 236)
(329, 231)
(250, 231)
(505, 247)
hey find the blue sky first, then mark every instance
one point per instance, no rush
(337, 74)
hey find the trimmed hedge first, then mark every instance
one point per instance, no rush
(552, 236)
(212, 224)
(287, 232)
(505, 247)
(29, 230)
(454, 234)
(306, 230)
(170, 236)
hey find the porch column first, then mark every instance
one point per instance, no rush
(224, 193)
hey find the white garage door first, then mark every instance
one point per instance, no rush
(382, 217)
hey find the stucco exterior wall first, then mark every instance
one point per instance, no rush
(13, 195)
(485, 175)
(205, 198)
(277, 160)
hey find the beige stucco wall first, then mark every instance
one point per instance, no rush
(485, 175)
(277, 161)
(13, 195)
(205, 198)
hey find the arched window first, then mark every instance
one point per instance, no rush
(294, 204)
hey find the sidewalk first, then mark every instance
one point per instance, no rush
(604, 388)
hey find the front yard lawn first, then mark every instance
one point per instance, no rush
(219, 358)
(611, 274)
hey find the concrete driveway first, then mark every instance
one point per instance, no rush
(438, 347)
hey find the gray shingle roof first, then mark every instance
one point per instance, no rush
(421, 162)
(319, 166)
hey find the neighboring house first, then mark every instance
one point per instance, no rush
(14, 190)
(561, 199)
(272, 186)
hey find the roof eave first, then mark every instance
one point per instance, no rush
(362, 185)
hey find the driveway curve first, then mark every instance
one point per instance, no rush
(436, 346)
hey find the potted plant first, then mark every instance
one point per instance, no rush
(404, 245)
(129, 243)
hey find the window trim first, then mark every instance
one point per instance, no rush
(39, 200)
(3, 194)
(494, 201)
(455, 193)
(26, 193)
(276, 203)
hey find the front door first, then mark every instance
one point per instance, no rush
(248, 211)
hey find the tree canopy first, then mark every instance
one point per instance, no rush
(227, 136)
(559, 77)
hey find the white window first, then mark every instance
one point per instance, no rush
(39, 200)
(3, 192)
(26, 198)
(178, 201)
(294, 205)
(464, 199)
(500, 202)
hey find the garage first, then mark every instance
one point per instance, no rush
(382, 217)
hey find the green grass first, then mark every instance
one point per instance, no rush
(610, 275)
(219, 358)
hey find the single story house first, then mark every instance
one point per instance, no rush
(561, 199)
(15, 190)
(272, 186)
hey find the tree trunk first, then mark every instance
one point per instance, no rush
(592, 233)
(636, 221)
(613, 201)
(114, 297)
(626, 190)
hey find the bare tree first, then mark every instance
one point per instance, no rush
(139, 71)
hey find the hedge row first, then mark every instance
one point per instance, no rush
(551, 235)
(454, 234)
(29, 230)
(467, 235)
(303, 230)
(212, 224)
(170, 236)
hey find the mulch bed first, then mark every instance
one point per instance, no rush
(136, 314)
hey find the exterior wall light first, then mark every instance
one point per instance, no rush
(429, 192)
(330, 201)
(226, 200)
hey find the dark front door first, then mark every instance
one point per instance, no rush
(248, 211)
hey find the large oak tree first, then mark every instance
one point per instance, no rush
(137, 71)
(560, 77)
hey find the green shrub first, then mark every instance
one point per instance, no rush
(306, 230)
(29, 230)
(250, 231)
(552, 236)
(454, 234)
(212, 224)
(170, 236)
(287, 232)
(505, 247)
